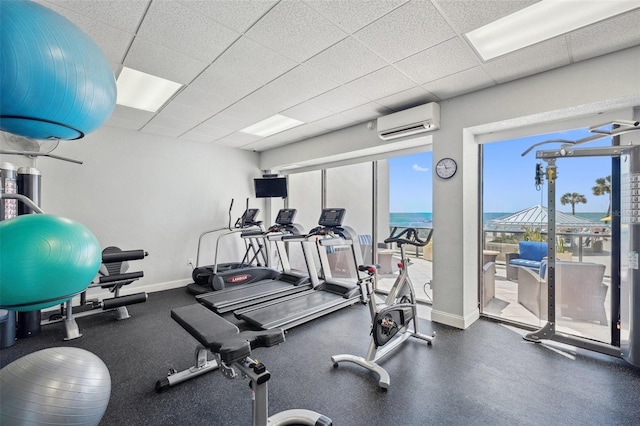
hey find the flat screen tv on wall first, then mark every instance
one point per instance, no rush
(271, 187)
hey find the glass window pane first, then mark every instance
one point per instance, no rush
(305, 195)
(410, 194)
(351, 187)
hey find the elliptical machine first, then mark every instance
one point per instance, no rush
(390, 321)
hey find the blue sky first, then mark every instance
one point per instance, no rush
(508, 177)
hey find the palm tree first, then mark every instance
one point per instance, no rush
(573, 198)
(603, 187)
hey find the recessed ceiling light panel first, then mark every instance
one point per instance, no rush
(542, 21)
(140, 90)
(272, 125)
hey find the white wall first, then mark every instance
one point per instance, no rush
(137, 190)
(586, 88)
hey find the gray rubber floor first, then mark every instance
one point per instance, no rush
(484, 375)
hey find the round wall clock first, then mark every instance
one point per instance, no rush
(446, 168)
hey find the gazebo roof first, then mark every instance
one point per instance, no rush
(538, 216)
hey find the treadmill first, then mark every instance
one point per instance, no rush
(254, 267)
(327, 297)
(282, 284)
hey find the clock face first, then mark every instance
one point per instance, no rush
(446, 168)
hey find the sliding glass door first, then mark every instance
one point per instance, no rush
(515, 241)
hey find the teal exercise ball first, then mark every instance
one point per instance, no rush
(55, 81)
(45, 260)
(54, 386)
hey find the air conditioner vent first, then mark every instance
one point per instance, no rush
(412, 121)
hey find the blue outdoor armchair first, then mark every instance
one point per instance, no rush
(530, 255)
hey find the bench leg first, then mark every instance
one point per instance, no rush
(203, 365)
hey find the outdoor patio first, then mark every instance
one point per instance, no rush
(505, 303)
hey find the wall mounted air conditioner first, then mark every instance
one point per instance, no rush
(412, 121)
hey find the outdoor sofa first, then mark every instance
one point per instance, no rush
(580, 292)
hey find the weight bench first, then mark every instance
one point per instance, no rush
(113, 276)
(232, 349)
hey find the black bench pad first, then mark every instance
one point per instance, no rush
(221, 336)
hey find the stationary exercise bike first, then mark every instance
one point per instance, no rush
(390, 321)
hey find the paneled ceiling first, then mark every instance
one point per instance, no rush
(329, 63)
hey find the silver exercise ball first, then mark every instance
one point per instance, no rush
(54, 386)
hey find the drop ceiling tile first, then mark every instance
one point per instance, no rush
(237, 139)
(180, 28)
(249, 113)
(336, 122)
(303, 83)
(116, 68)
(446, 58)
(203, 99)
(250, 60)
(366, 112)
(457, 84)
(157, 129)
(123, 124)
(295, 30)
(169, 122)
(132, 114)
(271, 99)
(222, 80)
(467, 15)
(381, 83)
(215, 89)
(419, 24)
(339, 99)
(605, 37)
(346, 61)
(307, 112)
(184, 112)
(165, 120)
(238, 15)
(122, 14)
(151, 58)
(265, 144)
(296, 134)
(212, 132)
(353, 15)
(407, 99)
(112, 41)
(227, 122)
(196, 137)
(531, 60)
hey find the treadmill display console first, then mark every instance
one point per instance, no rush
(331, 218)
(248, 218)
(286, 216)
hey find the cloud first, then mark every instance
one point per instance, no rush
(420, 169)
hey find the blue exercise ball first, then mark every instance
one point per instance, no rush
(46, 260)
(55, 81)
(54, 386)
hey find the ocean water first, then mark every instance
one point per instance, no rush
(419, 220)
(424, 220)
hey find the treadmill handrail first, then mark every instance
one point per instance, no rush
(334, 241)
(205, 233)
